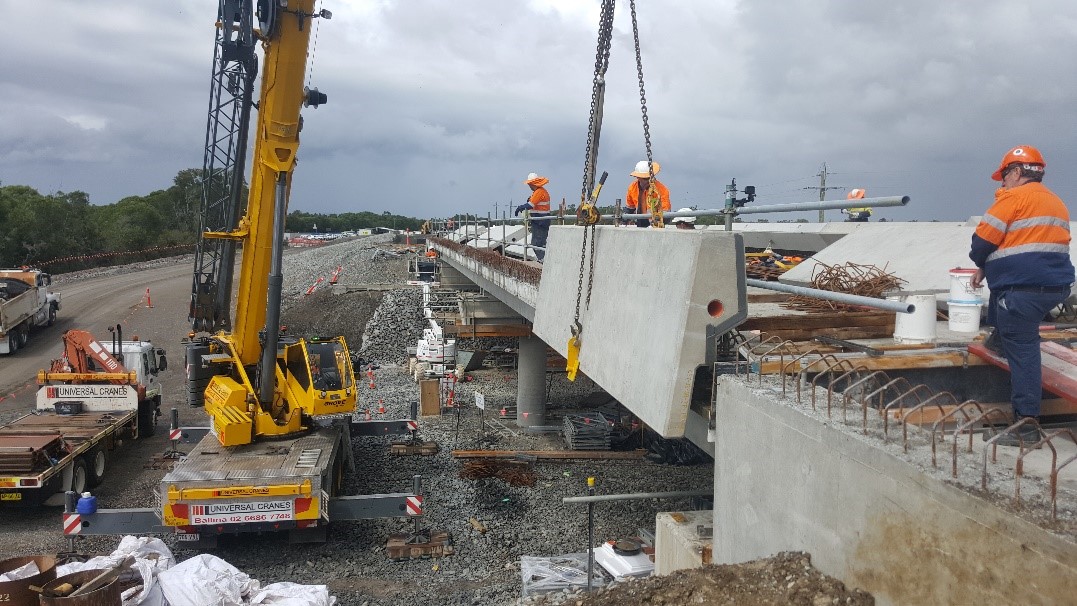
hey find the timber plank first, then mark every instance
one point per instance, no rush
(549, 454)
(845, 333)
(890, 361)
(819, 320)
(488, 330)
(1059, 372)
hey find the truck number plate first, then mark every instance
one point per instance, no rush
(10, 496)
(190, 536)
(242, 513)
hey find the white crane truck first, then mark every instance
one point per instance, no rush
(90, 402)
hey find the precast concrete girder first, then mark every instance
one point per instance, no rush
(657, 298)
(476, 308)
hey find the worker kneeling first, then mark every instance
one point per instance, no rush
(684, 222)
(539, 205)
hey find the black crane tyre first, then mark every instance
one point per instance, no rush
(79, 475)
(97, 464)
(147, 418)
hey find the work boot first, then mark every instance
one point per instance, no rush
(993, 342)
(1024, 437)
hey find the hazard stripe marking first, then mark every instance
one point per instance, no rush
(72, 523)
(414, 506)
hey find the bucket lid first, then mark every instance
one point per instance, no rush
(962, 270)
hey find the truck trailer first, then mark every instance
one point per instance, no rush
(81, 416)
(25, 304)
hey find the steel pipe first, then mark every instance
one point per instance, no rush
(782, 208)
(829, 295)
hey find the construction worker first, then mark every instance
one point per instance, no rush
(684, 222)
(1021, 247)
(637, 191)
(539, 205)
(860, 214)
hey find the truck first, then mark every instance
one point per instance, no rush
(25, 304)
(281, 408)
(91, 401)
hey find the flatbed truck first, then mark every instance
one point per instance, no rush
(88, 405)
(45, 453)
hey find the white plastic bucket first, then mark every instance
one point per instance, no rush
(965, 317)
(919, 326)
(961, 290)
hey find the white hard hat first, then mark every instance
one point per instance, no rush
(641, 169)
(536, 179)
(683, 219)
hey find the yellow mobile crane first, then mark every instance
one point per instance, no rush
(261, 384)
(281, 407)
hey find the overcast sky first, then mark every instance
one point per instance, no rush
(439, 107)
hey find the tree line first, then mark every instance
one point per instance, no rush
(63, 231)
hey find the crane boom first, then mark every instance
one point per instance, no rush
(235, 68)
(260, 383)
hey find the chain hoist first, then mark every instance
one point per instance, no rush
(654, 199)
(587, 215)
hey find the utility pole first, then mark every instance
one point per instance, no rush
(822, 190)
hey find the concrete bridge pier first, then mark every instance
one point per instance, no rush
(531, 379)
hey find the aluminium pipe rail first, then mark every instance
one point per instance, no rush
(883, 304)
(880, 202)
(783, 208)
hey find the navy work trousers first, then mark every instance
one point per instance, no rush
(540, 230)
(1016, 315)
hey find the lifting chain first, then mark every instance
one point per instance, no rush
(654, 199)
(598, 95)
(587, 215)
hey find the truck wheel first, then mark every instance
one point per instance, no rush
(147, 418)
(23, 336)
(52, 315)
(13, 342)
(79, 475)
(97, 463)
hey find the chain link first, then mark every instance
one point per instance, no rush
(654, 199)
(579, 287)
(594, 131)
(598, 86)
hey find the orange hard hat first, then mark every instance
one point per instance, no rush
(1022, 154)
(855, 194)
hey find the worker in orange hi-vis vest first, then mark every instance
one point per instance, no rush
(859, 214)
(1022, 248)
(538, 203)
(638, 189)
